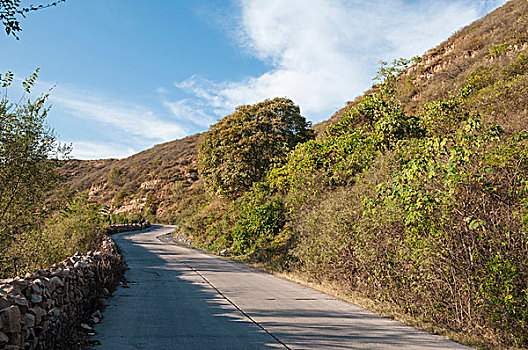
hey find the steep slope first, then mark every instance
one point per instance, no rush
(488, 52)
(416, 198)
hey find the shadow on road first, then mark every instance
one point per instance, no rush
(166, 305)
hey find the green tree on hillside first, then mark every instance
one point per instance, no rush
(240, 148)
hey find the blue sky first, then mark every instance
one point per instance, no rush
(130, 74)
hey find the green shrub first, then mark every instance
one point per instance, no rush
(259, 224)
(78, 227)
(518, 67)
(499, 49)
(116, 176)
(453, 248)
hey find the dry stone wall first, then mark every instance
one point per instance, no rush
(45, 309)
(112, 229)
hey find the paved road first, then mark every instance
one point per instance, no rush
(179, 298)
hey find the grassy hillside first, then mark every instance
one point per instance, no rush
(415, 195)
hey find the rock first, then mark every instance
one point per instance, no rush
(31, 334)
(35, 298)
(28, 320)
(38, 330)
(35, 289)
(55, 282)
(80, 264)
(46, 304)
(11, 319)
(44, 273)
(38, 312)
(10, 289)
(22, 303)
(22, 283)
(56, 272)
(4, 339)
(54, 312)
(14, 339)
(4, 302)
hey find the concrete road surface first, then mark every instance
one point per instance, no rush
(179, 298)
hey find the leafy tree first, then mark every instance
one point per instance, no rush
(26, 170)
(11, 10)
(240, 148)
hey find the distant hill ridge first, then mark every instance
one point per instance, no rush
(144, 182)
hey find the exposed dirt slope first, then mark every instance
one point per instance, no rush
(481, 51)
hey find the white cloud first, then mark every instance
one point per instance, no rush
(188, 112)
(132, 119)
(99, 150)
(324, 52)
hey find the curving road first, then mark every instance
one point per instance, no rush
(179, 298)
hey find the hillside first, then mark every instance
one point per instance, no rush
(479, 52)
(150, 182)
(413, 196)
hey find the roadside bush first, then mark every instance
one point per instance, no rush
(456, 250)
(258, 229)
(78, 227)
(29, 156)
(27, 173)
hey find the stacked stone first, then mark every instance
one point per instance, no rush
(44, 309)
(112, 229)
